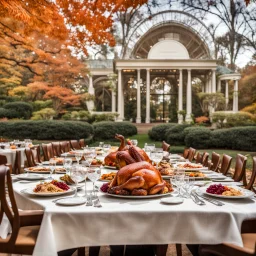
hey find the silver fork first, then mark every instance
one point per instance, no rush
(196, 199)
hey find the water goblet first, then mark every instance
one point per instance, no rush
(101, 144)
(134, 142)
(52, 166)
(67, 163)
(173, 183)
(76, 174)
(179, 180)
(93, 175)
(78, 156)
(89, 155)
(106, 148)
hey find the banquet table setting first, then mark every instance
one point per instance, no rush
(85, 213)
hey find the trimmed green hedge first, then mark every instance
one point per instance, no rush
(23, 109)
(107, 130)
(46, 130)
(175, 135)
(158, 131)
(197, 137)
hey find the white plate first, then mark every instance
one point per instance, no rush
(35, 171)
(172, 200)
(246, 193)
(60, 172)
(47, 163)
(138, 197)
(71, 201)
(192, 169)
(31, 176)
(30, 191)
(109, 167)
(222, 180)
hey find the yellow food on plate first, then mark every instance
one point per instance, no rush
(47, 188)
(67, 179)
(232, 192)
(196, 174)
(108, 176)
(38, 169)
(189, 166)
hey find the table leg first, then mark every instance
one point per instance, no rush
(161, 249)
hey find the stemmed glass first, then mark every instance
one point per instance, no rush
(76, 174)
(67, 163)
(106, 148)
(134, 142)
(78, 156)
(52, 165)
(89, 155)
(94, 174)
(156, 157)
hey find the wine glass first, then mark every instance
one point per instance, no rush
(89, 155)
(77, 174)
(93, 175)
(134, 142)
(173, 183)
(106, 148)
(67, 163)
(52, 166)
(156, 157)
(179, 181)
(78, 156)
(101, 144)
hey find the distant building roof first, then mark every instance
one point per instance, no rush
(99, 64)
(221, 70)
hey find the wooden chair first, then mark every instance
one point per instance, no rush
(199, 158)
(191, 154)
(248, 233)
(205, 158)
(56, 148)
(3, 161)
(240, 166)
(82, 143)
(215, 162)
(75, 144)
(36, 153)
(30, 157)
(249, 186)
(25, 224)
(225, 164)
(47, 151)
(186, 153)
(165, 146)
(65, 146)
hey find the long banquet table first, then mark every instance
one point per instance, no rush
(130, 221)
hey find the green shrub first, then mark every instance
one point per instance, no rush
(66, 116)
(23, 109)
(197, 137)
(46, 130)
(239, 138)
(175, 135)
(8, 113)
(158, 131)
(107, 130)
(105, 117)
(44, 114)
(41, 104)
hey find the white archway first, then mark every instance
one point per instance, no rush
(168, 49)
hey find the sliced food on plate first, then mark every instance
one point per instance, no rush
(219, 189)
(67, 179)
(38, 169)
(189, 166)
(108, 176)
(51, 187)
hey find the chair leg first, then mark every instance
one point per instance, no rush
(178, 249)
(161, 249)
(81, 251)
(94, 251)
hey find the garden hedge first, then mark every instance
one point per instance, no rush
(175, 135)
(46, 130)
(23, 109)
(107, 130)
(158, 131)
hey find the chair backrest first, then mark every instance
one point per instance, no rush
(186, 153)
(9, 209)
(30, 157)
(74, 144)
(191, 154)
(253, 176)
(225, 164)
(47, 151)
(65, 146)
(205, 158)
(165, 146)
(56, 148)
(36, 153)
(199, 158)
(240, 167)
(3, 160)
(82, 143)
(215, 161)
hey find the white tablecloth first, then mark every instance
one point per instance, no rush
(11, 155)
(129, 221)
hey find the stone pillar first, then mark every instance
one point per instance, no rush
(148, 98)
(120, 97)
(235, 96)
(138, 119)
(189, 98)
(113, 97)
(90, 103)
(226, 94)
(219, 86)
(180, 105)
(213, 81)
(206, 84)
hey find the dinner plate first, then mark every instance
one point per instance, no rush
(246, 193)
(137, 197)
(30, 191)
(172, 200)
(35, 171)
(60, 171)
(222, 180)
(192, 169)
(30, 176)
(47, 163)
(71, 201)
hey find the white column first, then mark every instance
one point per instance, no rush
(207, 84)
(180, 105)
(113, 96)
(226, 93)
(235, 96)
(213, 81)
(219, 86)
(120, 93)
(90, 103)
(148, 98)
(189, 98)
(138, 119)
(91, 89)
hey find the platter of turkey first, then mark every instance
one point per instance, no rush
(37, 169)
(191, 167)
